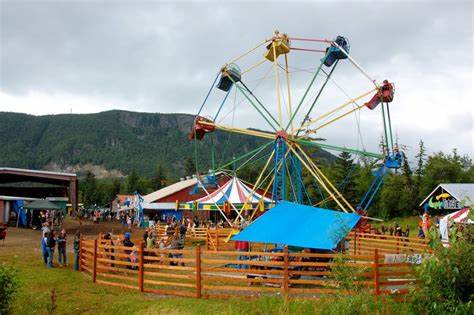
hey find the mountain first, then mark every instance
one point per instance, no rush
(113, 143)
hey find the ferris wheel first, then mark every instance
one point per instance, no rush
(282, 102)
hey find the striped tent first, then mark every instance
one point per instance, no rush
(461, 216)
(233, 192)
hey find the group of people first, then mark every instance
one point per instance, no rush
(95, 215)
(50, 241)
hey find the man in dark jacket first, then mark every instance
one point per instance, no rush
(50, 244)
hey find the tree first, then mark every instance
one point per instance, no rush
(409, 187)
(421, 157)
(89, 189)
(159, 178)
(343, 176)
(131, 182)
(189, 167)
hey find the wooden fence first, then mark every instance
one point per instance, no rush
(356, 243)
(363, 243)
(199, 233)
(206, 273)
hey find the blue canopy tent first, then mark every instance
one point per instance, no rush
(298, 225)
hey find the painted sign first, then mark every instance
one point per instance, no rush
(443, 201)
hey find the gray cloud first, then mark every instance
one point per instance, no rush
(152, 56)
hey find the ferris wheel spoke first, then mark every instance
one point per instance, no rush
(328, 76)
(260, 103)
(277, 86)
(356, 64)
(338, 149)
(248, 52)
(253, 104)
(313, 121)
(305, 94)
(243, 156)
(257, 183)
(316, 168)
(318, 179)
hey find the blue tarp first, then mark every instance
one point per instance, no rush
(299, 225)
(20, 211)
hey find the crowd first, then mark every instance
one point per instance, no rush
(50, 241)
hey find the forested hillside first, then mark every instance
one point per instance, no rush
(113, 140)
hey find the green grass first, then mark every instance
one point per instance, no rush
(76, 294)
(411, 222)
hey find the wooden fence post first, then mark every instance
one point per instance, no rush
(217, 238)
(94, 266)
(376, 273)
(198, 272)
(286, 263)
(80, 252)
(140, 266)
(355, 242)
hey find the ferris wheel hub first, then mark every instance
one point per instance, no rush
(281, 134)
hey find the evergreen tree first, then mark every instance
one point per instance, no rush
(132, 182)
(189, 167)
(159, 178)
(343, 176)
(89, 189)
(420, 157)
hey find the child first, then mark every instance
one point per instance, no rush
(62, 248)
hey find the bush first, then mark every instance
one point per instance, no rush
(9, 285)
(446, 281)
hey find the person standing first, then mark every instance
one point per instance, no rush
(62, 260)
(77, 246)
(51, 243)
(44, 247)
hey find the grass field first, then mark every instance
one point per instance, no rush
(76, 294)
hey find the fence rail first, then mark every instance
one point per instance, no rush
(207, 272)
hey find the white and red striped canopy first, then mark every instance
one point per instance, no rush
(460, 216)
(234, 192)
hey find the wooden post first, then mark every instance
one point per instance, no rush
(94, 266)
(80, 252)
(286, 263)
(198, 272)
(140, 266)
(355, 242)
(376, 273)
(217, 238)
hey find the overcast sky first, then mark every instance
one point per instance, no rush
(91, 56)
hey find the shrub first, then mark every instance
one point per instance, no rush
(446, 281)
(9, 285)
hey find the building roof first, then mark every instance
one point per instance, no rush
(16, 198)
(42, 204)
(460, 191)
(171, 189)
(298, 225)
(36, 173)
